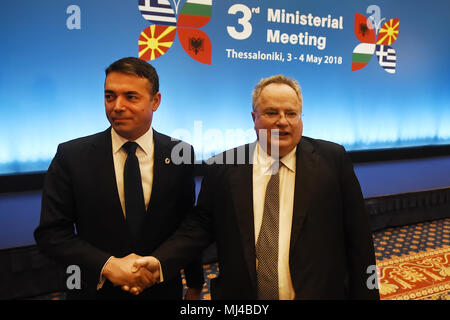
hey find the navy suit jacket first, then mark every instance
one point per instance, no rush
(80, 191)
(331, 243)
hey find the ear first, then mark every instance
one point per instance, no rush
(253, 116)
(156, 101)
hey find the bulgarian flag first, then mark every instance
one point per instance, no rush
(362, 55)
(195, 13)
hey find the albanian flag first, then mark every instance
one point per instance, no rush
(364, 29)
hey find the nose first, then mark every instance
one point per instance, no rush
(282, 120)
(119, 104)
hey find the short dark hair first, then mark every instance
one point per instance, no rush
(137, 67)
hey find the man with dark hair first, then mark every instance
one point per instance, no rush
(289, 222)
(121, 191)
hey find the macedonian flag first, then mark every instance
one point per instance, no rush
(155, 40)
(388, 32)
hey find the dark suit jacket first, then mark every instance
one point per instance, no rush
(80, 190)
(331, 243)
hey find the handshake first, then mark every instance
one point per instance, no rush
(133, 273)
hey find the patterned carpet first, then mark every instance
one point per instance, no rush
(401, 241)
(414, 261)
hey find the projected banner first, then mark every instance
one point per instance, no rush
(374, 74)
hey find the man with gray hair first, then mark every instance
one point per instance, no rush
(289, 223)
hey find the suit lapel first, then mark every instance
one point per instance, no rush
(241, 188)
(103, 169)
(161, 172)
(305, 186)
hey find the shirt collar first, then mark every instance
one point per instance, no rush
(145, 141)
(289, 160)
(265, 161)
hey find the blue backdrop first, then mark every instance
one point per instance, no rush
(53, 59)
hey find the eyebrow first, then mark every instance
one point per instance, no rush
(268, 108)
(127, 92)
(276, 109)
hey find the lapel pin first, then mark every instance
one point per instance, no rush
(167, 160)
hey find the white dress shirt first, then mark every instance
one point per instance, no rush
(261, 176)
(145, 155)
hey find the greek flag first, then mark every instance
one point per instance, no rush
(158, 12)
(386, 57)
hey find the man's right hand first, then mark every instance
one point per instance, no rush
(149, 264)
(118, 271)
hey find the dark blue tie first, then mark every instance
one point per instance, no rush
(134, 196)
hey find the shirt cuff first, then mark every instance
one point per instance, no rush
(102, 278)
(161, 277)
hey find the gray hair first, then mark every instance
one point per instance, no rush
(275, 79)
